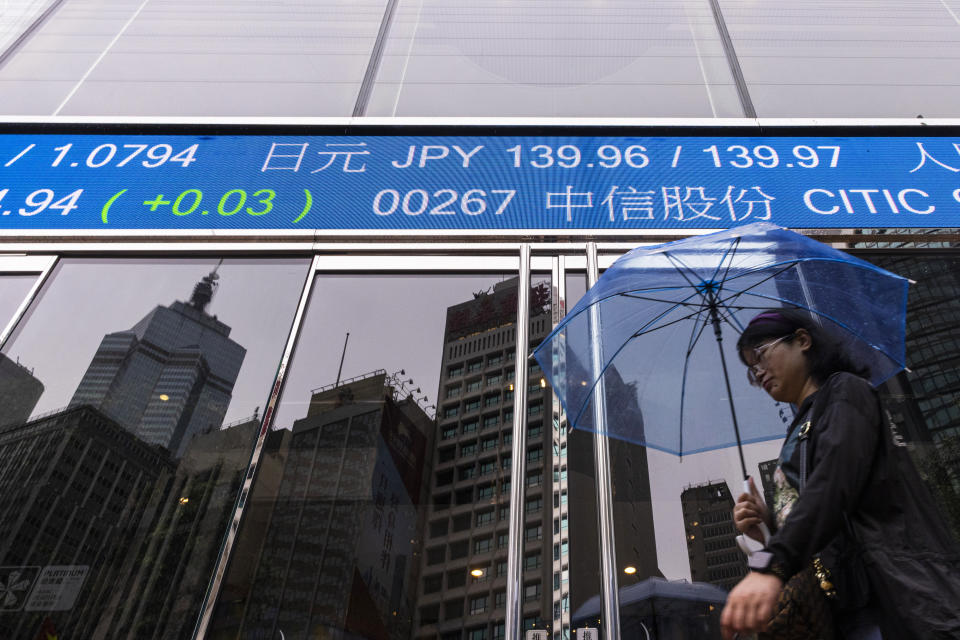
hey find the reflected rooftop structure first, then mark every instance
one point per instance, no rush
(170, 376)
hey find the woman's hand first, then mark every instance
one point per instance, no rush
(750, 512)
(750, 605)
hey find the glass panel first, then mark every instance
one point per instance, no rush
(134, 411)
(379, 511)
(203, 58)
(575, 521)
(661, 505)
(13, 291)
(925, 401)
(853, 60)
(572, 58)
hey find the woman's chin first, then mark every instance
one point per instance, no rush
(774, 391)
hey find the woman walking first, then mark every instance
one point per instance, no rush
(850, 510)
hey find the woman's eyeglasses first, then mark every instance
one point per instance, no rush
(759, 358)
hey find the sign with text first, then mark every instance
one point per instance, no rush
(474, 182)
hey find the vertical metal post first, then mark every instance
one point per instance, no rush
(226, 546)
(561, 626)
(601, 452)
(513, 625)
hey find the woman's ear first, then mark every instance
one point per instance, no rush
(803, 339)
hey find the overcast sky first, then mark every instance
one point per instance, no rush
(395, 322)
(13, 290)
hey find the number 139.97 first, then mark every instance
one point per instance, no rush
(765, 156)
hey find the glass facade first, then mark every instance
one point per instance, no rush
(155, 461)
(207, 438)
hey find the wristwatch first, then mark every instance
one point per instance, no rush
(766, 562)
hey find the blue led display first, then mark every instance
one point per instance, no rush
(377, 182)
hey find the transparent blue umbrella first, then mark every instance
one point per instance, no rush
(644, 355)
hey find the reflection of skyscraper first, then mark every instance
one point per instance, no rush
(340, 548)
(767, 469)
(250, 533)
(158, 590)
(711, 536)
(634, 533)
(925, 401)
(75, 485)
(168, 377)
(21, 391)
(470, 487)
(468, 519)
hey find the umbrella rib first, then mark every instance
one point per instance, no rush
(676, 261)
(635, 297)
(614, 357)
(737, 294)
(786, 266)
(570, 316)
(731, 251)
(646, 331)
(694, 339)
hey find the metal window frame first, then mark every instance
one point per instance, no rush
(42, 266)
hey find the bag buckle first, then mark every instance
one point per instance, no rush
(804, 430)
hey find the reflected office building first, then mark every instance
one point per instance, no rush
(19, 392)
(74, 487)
(470, 484)
(340, 555)
(925, 399)
(169, 377)
(711, 536)
(158, 589)
(102, 533)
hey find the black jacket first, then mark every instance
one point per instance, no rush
(859, 466)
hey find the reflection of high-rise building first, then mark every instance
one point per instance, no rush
(75, 485)
(470, 486)
(767, 469)
(711, 536)
(21, 391)
(251, 530)
(927, 398)
(340, 549)
(925, 401)
(170, 376)
(634, 535)
(158, 590)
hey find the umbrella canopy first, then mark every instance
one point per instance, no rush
(649, 335)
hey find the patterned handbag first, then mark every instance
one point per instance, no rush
(803, 611)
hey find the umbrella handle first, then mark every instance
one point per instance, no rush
(747, 544)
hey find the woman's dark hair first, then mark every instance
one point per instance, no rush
(826, 356)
